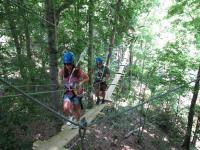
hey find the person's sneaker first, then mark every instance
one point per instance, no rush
(72, 126)
(69, 123)
(98, 101)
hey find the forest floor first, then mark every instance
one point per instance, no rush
(115, 130)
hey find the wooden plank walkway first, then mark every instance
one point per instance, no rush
(117, 76)
(58, 141)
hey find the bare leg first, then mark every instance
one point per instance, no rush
(67, 108)
(77, 112)
(103, 95)
(97, 94)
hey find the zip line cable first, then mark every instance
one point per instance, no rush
(163, 94)
(33, 85)
(32, 12)
(34, 93)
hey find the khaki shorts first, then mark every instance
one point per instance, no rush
(102, 86)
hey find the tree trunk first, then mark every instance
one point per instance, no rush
(14, 33)
(143, 63)
(64, 5)
(130, 67)
(113, 33)
(78, 27)
(51, 31)
(27, 40)
(186, 143)
(194, 140)
(90, 46)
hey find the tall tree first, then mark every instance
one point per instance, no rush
(13, 28)
(114, 29)
(90, 45)
(186, 143)
(25, 18)
(51, 31)
(196, 132)
(52, 20)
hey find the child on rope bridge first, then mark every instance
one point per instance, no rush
(101, 75)
(73, 78)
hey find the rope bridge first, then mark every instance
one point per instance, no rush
(66, 135)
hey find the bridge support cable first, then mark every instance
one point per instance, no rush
(34, 93)
(151, 99)
(58, 115)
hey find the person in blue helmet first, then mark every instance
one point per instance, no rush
(73, 77)
(101, 75)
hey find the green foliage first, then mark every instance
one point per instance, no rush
(193, 25)
(197, 42)
(152, 78)
(135, 71)
(177, 8)
(161, 70)
(176, 62)
(18, 118)
(196, 22)
(197, 109)
(165, 121)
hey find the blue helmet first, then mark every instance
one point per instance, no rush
(68, 58)
(99, 60)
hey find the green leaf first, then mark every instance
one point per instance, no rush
(176, 9)
(197, 40)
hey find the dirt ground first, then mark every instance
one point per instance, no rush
(115, 131)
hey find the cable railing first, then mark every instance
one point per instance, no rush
(144, 108)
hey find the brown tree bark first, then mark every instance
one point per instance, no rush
(52, 17)
(130, 65)
(194, 140)
(51, 31)
(27, 40)
(186, 143)
(12, 24)
(113, 33)
(90, 46)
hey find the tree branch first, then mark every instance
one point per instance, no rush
(62, 7)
